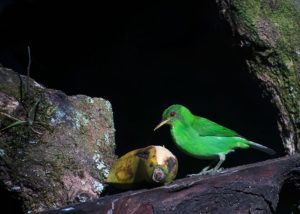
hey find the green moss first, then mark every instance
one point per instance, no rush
(279, 43)
(247, 12)
(283, 15)
(50, 111)
(27, 132)
(285, 18)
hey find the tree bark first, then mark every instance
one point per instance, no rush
(269, 32)
(254, 188)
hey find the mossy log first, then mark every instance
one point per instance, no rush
(268, 32)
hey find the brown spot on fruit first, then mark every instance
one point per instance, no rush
(171, 162)
(143, 154)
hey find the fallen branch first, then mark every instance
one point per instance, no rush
(244, 189)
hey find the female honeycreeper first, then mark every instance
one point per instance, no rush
(204, 139)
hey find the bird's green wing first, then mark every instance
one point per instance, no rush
(206, 127)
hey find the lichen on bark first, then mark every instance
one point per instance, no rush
(270, 32)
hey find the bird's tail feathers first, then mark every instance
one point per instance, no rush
(261, 148)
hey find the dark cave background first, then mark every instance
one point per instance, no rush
(142, 57)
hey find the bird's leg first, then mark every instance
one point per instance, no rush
(206, 170)
(216, 169)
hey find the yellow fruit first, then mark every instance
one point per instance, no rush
(152, 165)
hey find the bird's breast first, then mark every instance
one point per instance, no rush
(189, 142)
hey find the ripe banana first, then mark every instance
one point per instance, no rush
(149, 165)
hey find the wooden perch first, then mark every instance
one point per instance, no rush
(253, 188)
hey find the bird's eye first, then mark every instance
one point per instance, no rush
(172, 114)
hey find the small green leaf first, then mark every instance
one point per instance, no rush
(32, 112)
(17, 123)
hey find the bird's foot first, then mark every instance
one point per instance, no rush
(215, 171)
(207, 171)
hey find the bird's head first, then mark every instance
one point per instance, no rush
(174, 113)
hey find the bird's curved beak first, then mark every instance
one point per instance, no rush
(162, 123)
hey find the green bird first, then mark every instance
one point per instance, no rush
(204, 139)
